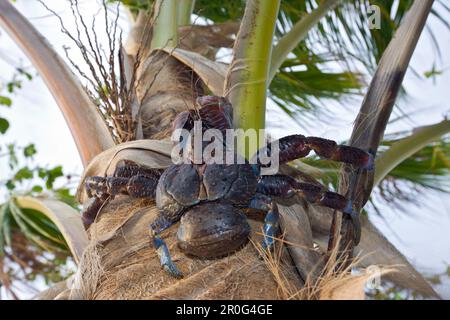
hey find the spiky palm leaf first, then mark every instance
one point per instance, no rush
(330, 51)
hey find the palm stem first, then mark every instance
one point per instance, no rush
(374, 115)
(247, 77)
(298, 33)
(164, 24)
(185, 8)
(405, 148)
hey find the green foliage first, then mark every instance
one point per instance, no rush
(50, 175)
(33, 180)
(429, 168)
(331, 53)
(31, 245)
(29, 151)
(17, 80)
(306, 82)
(23, 174)
(220, 11)
(5, 101)
(135, 5)
(433, 73)
(26, 179)
(4, 125)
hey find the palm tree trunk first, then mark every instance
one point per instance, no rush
(130, 268)
(373, 117)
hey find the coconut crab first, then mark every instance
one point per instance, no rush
(209, 200)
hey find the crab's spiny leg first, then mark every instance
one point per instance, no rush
(129, 178)
(271, 221)
(329, 149)
(90, 212)
(138, 186)
(158, 226)
(285, 186)
(298, 146)
(142, 186)
(128, 169)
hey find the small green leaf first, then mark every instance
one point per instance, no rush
(52, 175)
(29, 150)
(4, 125)
(26, 74)
(5, 101)
(65, 196)
(23, 174)
(3, 212)
(42, 173)
(37, 189)
(13, 84)
(13, 161)
(10, 185)
(6, 225)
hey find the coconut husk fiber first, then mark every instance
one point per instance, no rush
(129, 267)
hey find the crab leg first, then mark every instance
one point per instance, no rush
(298, 146)
(285, 186)
(158, 226)
(271, 221)
(128, 169)
(139, 186)
(129, 178)
(91, 210)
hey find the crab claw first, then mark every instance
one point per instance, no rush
(173, 271)
(165, 259)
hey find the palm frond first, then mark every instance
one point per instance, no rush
(305, 83)
(342, 44)
(429, 168)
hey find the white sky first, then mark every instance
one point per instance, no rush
(421, 234)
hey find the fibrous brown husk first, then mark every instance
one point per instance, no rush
(160, 101)
(131, 268)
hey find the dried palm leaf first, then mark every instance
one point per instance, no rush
(66, 218)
